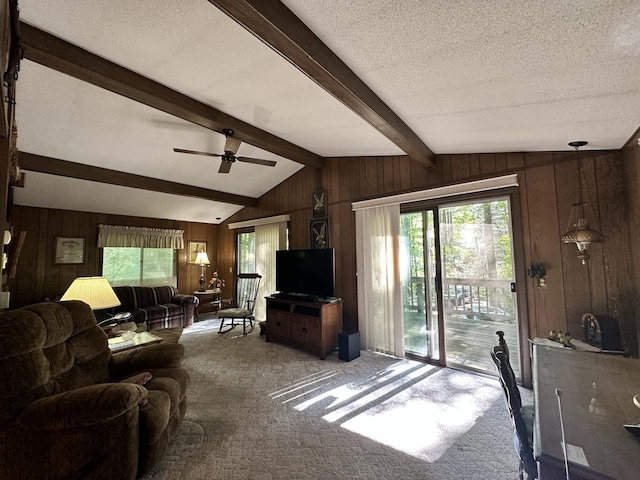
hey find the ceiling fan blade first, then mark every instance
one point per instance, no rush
(257, 161)
(232, 144)
(194, 152)
(225, 167)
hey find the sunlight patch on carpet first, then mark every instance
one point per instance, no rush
(419, 422)
(415, 408)
(344, 393)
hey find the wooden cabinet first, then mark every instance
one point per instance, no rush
(209, 301)
(313, 326)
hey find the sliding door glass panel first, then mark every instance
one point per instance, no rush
(418, 276)
(477, 271)
(247, 252)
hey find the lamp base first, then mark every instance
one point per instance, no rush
(102, 315)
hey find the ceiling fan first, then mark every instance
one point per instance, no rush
(231, 146)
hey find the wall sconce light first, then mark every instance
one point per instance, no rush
(538, 271)
(581, 234)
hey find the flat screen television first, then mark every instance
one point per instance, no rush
(308, 272)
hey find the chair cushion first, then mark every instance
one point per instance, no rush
(154, 416)
(234, 313)
(49, 348)
(168, 335)
(167, 389)
(139, 378)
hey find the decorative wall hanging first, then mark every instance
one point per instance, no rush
(69, 250)
(319, 205)
(196, 247)
(319, 231)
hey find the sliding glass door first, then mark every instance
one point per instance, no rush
(418, 277)
(458, 260)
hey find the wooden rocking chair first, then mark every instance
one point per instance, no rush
(246, 290)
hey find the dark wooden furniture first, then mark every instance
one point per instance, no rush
(246, 289)
(209, 301)
(313, 326)
(596, 392)
(521, 415)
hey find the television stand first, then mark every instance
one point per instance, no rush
(312, 326)
(300, 297)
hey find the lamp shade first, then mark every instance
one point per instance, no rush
(95, 291)
(202, 259)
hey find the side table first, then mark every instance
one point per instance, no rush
(118, 344)
(209, 301)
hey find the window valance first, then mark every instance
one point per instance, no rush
(123, 236)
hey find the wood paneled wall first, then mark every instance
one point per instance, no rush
(38, 277)
(631, 159)
(548, 187)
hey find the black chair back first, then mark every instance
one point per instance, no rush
(522, 439)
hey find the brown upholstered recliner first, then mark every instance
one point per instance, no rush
(65, 411)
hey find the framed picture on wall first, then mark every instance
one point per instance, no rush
(195, 247)
(69, 251)
(319, 203)
(319, 233)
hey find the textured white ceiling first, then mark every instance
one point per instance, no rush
(52, 191)
(493, 76)
(466, 76)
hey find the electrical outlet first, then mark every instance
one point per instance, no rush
(230, 269)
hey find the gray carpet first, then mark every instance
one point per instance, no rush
(266, 411)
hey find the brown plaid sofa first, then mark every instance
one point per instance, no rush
(157, 307)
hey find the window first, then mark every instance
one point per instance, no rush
(246, 252)
(139, 266)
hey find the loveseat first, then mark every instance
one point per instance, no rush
(157, 307)
(69, 408)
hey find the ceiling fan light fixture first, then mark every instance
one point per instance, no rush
(229, 157)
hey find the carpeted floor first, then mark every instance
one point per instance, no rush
(266, 411)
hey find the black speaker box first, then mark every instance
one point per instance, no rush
(348, 345)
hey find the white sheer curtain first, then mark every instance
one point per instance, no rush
(379, 292)
(269, 238)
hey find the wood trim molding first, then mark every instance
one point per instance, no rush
(55, 53)
(64, 168)
(483, 185)
(275, 25)
(259, 221)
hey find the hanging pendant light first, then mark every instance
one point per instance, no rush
(581, 234)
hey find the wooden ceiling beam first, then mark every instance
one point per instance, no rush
(276, 26)
(55, 53)
(64, 168)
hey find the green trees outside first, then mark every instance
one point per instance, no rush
(138, 266)
(246, 252)
(121, 266)
(477, 240)
(476, 245)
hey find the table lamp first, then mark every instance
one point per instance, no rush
(203, 261)
(97, 293)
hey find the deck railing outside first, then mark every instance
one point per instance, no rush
(473, 311)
